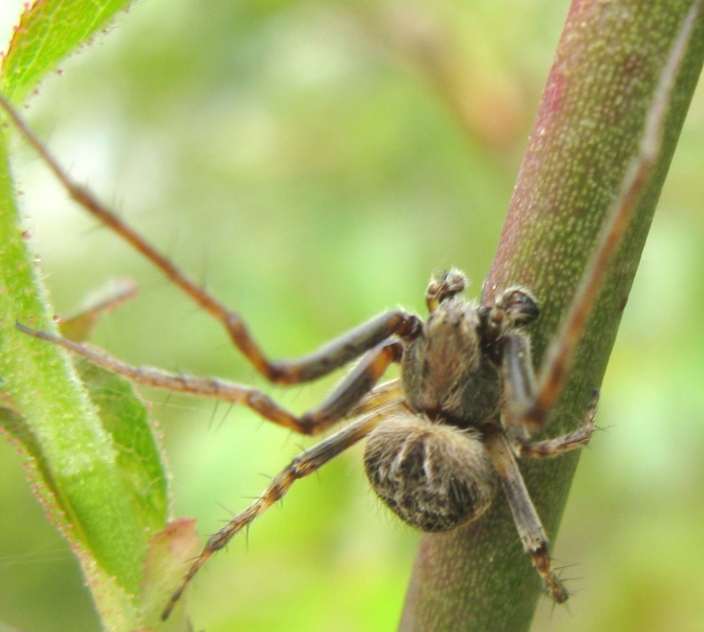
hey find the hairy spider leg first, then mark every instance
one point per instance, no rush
(530, 528)
(306, 369)
(336, 406)
(302, 465)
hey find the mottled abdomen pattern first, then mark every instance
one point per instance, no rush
(435, 477)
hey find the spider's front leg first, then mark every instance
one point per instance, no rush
(320, 363)
(523, 417)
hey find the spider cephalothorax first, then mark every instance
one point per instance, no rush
(451, 370)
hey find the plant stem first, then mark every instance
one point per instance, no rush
(588, 128)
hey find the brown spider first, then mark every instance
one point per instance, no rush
(468, 402)
(437, 443)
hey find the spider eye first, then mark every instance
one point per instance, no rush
(433, 476)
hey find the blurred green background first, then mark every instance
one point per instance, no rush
(314, 163)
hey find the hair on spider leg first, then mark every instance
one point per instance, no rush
(226, 508)
(560, 569)
(217, 426)
(213, 415)
(226, 414)
(573, 591)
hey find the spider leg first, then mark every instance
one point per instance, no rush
(303, 465)
(518, 378)
(332, 356)
(530, 528)
(578, 438)
(521, 393)
(336, 406)
(357, 384)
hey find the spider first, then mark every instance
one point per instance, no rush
(441, 439)
(438, 441)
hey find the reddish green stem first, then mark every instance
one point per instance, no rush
(588, 129)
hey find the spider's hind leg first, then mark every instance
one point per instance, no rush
(301, 466)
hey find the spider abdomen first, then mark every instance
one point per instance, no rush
(433, 476)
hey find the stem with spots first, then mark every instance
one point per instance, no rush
(588, 130)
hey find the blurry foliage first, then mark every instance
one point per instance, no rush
(300, 159)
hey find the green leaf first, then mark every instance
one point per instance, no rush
(73, 460)
(124, 417)
(47, 32)
(92, 454)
